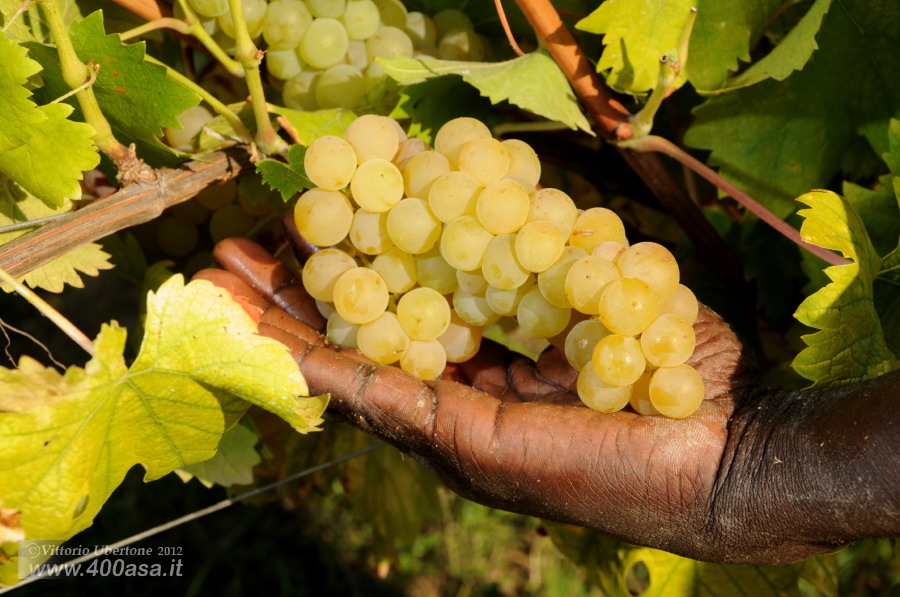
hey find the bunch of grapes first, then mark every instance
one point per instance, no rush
(425, 247)
(321, 53)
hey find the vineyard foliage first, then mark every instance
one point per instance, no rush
(797, 104)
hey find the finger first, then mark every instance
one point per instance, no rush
(719, 357)
(269, 277)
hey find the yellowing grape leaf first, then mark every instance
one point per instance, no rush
(532, 82)
(65, 448)
(135, 95)
(851, 346)
(310, 125)
(233, 463)
(286, 178)
(15, 207)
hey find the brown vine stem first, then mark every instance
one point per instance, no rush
(149, 10)
(612, 121)
(132, 205)
(661, 145)
(498, 4)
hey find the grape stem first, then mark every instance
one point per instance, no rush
(68, 328)
(196, 29)
(498, 4)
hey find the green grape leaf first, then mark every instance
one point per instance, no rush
(823, 573)
(286, 178)
(878, 210)
(65, 448)
(425, 105)
(17, 112)
(791, 54)
(532, 82)
(887, 298)
(233, 463)
(308, 126)
(777, 140)
(89, 259)
(135, 95)
(851, 345)
(20, 28)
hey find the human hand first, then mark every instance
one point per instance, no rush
(511, 433)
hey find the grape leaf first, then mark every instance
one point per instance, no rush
(233, 463)
(532, 82)
(311, 125)
(425, 105)
(87, 259)
(777, 140)
(135, 95)
(17, 112)
(851, 345)
(286, 178)
(65, 448)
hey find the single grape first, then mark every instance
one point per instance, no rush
(323, 217)
(210, 8)
(326, 310)
(581, 340)
(449, 19)
(340, 86)
(423, 313)
(360, 295)
(627, 306)
(299, 92)
(463, 243)
(552, 282)
(457, 132)
(682, 303)
(377, 185)
(499, 266)
(524, 164)
(412, 226)
(383, 339)
(676, 391)
(342, 332)
(506, 302)
(330, 163)
(597, 225)
(373, 136)
(219, 195)
(618, 360)
(554, 206)
(176, 237)
(421, 171)
(586, 280)
(538, 317)
(397, 268)
(599, 395)
(461, 44)
(324, 44)
(539, 245)
(192, 120)
(229, 221)
(424, 360)
(392, 12)
(609, 249)
(640, 395)
(321, 271)
(190, 212)
(652, 263)
(286, 22)
(502, 207)
(453, 195)
(668, 341)
(389, 42)
(473, 309)
(433, 271)
(283, 64)
(361, 19)
(485, 159)
(327, 8)
(356, 56)
(461, 340)
(407, 150)
(254, 17)
(368, 232)
(472, 282)
(421, 29)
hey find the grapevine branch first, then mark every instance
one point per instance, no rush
(132, 205)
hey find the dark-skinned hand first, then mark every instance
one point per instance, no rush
(754, 476)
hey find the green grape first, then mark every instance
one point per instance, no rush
(652, 263)
(682, 303)
(408, 149)
(597, 225)
(599, 395)
(461, 341)
(383, 340)
(330, 163)
(421, 29)
(323, 217)
(485, 159)
(524, 164)
(676, 391)
(412, 226)
(424, 360)
(229, 221)
(373, 136)
(453, 195)
(374, 76)
(500, 266)
(433, 271)
(190, 212)
(586, 280)
(454, 134)
(421, 171)
(502, 207)
(449, 19)
(463, 243)
(254, 17)
(256, 197)
(392, 12)
(322, 270)
(668, 341)
(356, 55)
(342, 332)
(554, 206)
(327, 8)
(299, 92)
(324, 44)
(377, 185)
(618, 360)
(176, 237)
(539, 318)
(472, 282)
(286, 22)
(609, 250)
(361, 19)
(473, 309)
(539, 244)
(640, 395)
(423, 313)
(627, 306)
(552, 282)
(219, 195)
(397, 268)
(340, 86)
(581, 340)
(360, 295)
(368, 232)
(461, 44)
(192, 120)
(326, 310)
(506, 302)
(209, 8)
(283, 64)
(389, 42)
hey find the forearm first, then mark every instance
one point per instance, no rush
(805, 472)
